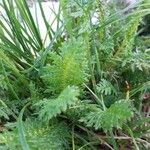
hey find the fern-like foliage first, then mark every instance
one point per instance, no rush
(115, 116)
(52, 107)
(138, 60)
(38, 136)
(106, 88)
(68, 68)
(75, 17)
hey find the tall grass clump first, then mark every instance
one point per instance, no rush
(87, 89)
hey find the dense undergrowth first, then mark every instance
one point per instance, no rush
(87, 90)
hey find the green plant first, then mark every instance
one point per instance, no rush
(52, 107)
(70, 67)
(115, 116)
(82, 91)
(38, 135)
